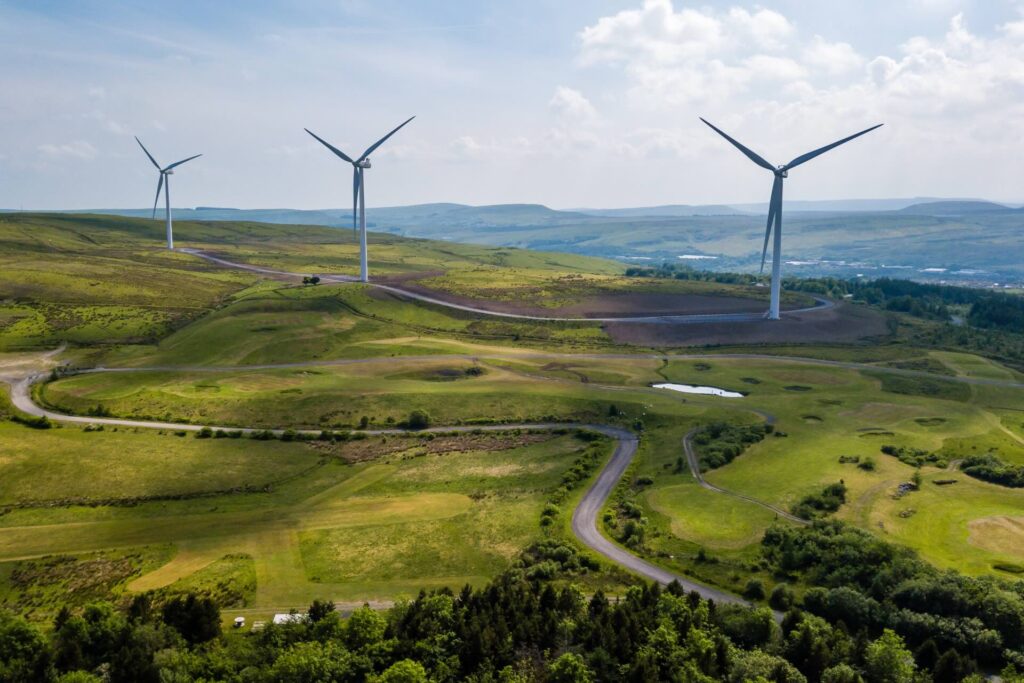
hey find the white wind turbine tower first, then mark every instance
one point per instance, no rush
(165, 185)
(775, 206)
(358, 191)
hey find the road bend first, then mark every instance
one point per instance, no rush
(584, 518)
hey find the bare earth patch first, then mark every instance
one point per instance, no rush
(604, 305)
(998, 534)
(376, 447)
(842, 324)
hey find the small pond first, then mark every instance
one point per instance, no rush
(697, 389)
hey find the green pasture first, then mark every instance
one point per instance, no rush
(338, 396)
(454, 510)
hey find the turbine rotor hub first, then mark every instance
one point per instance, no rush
(782, 172)
(365, 163)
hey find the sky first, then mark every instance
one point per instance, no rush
(560, 102)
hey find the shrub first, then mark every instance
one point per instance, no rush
(754, 590)
(418, 419)
(819, 504)
(204, 433)
(782, 597)
(40, 422)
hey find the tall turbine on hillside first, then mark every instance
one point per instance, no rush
(358, 191)
(165, 185)
(775, 207)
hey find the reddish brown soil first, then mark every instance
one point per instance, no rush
(842, 324)
(608, 305)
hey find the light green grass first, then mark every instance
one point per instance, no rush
(455, 515)
(70, 464)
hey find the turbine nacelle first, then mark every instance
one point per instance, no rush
(782, 172)
(363, 163)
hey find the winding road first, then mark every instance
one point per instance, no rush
(821, 304)
(584, 518)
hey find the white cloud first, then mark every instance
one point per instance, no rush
(571, 104)
(79, 149)
(688, 55)
(766, 29)
(833, 58)
(774, 68)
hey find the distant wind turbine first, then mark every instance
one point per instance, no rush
(358, 191)
(165, 185)
(775, 206)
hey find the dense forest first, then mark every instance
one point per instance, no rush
(849, 607)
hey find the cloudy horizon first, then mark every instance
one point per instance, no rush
(538, 102)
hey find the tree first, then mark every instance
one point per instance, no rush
(418, 419)
(757, 665)
(754, 590)
(951, 668)
(782, 597)
(303, 662)
(841, 673)
(365, 627)
(79, 677)
(196, 618)
(887, 660)
(320, 609)
(569, 668)
(405, 671)
(24, 654)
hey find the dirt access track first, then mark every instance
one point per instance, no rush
(605, 304)
(709, 321)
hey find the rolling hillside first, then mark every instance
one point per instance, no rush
(958, 240)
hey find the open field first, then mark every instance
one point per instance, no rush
(825, 412)
(458, 510)
(267, 525)
(91, 279)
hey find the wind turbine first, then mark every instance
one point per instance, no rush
(165, 179)
(775, 206)
(358, 191)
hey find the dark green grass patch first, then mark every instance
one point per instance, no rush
(930, 387)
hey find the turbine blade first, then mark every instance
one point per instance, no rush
(179, 163)
(330, 146)
(159, 186)
(356, 181)
(773, 209)
(748, 152)
(380, 142)
(147, 153)
(821, 150)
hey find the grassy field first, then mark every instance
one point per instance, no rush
(268, 525)
(454, 510)
(90, 279)
(824, 412)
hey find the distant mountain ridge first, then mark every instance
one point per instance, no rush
(954, 208)
(962, 240)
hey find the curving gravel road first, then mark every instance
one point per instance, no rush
(584, 518)
(821, 304)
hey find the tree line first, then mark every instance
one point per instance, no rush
(874, 613)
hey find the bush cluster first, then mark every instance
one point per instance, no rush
(720, 442)
(827, 501)
(990, 468)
